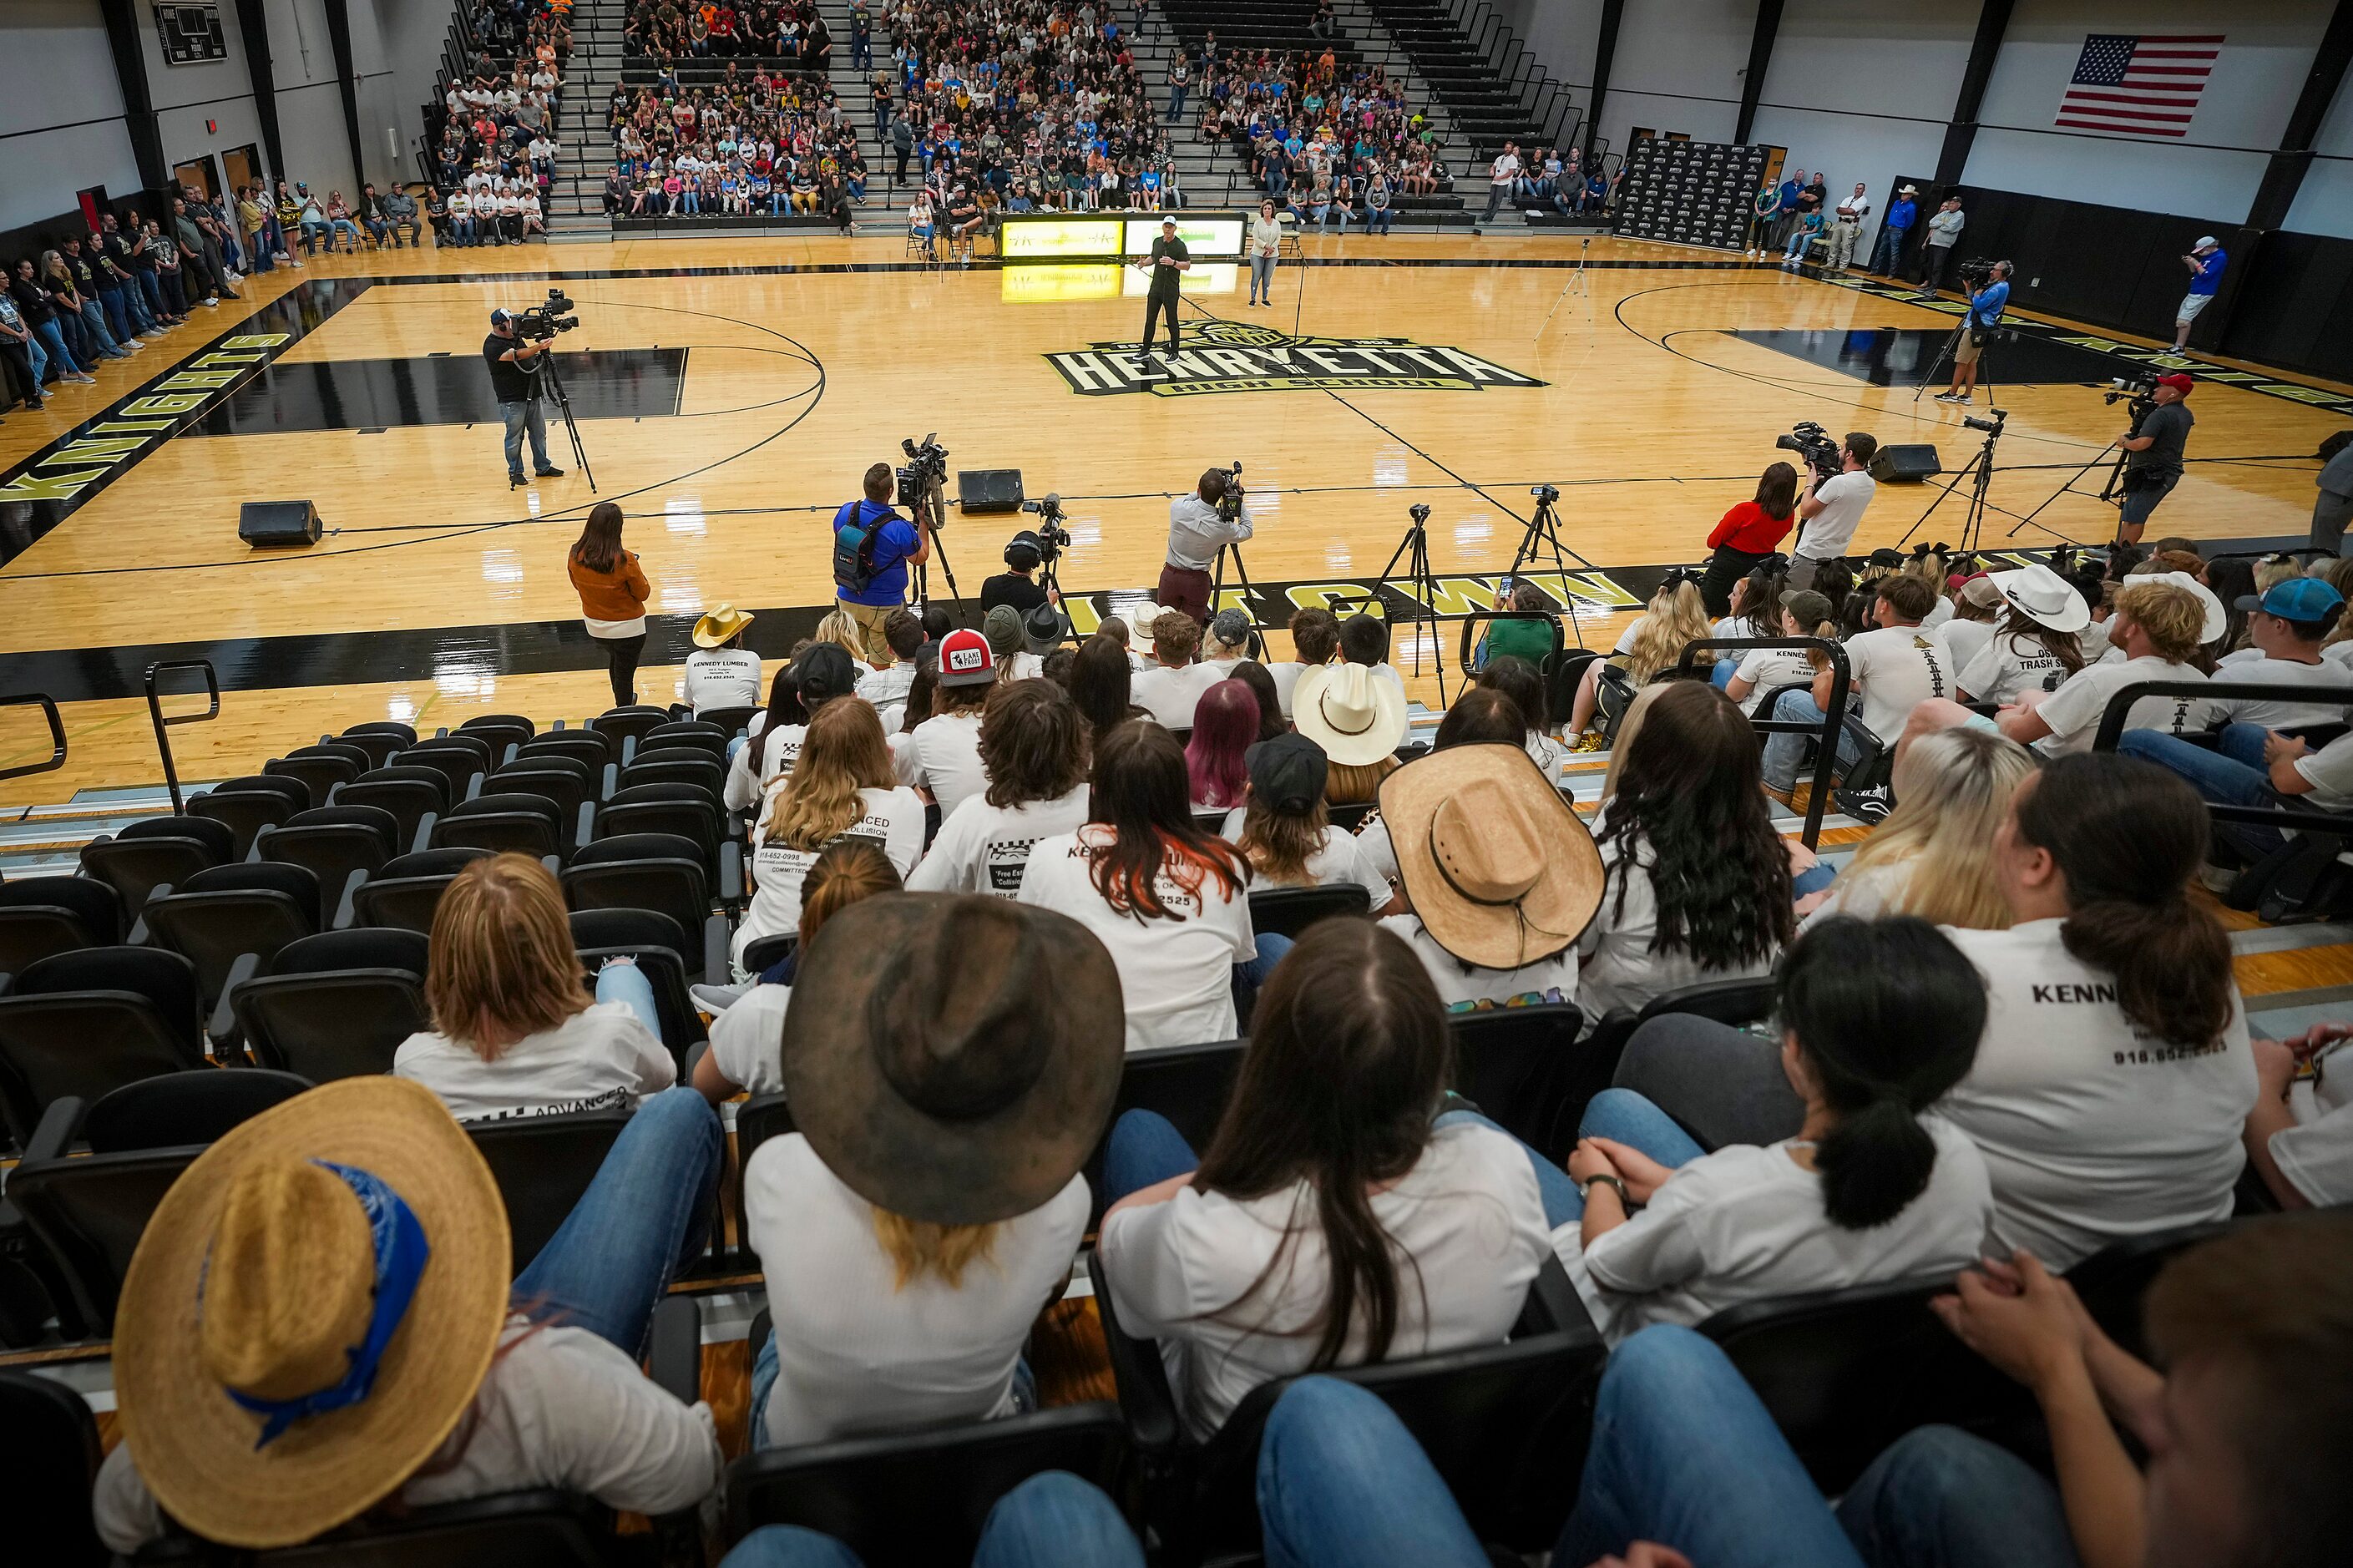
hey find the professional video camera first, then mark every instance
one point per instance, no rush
(1974, 272)
(1991, 426)
(1053, 537)
(1230, 505)
(1820, 449)
(1546, 494)
(538, 323)
(924, 470)
(2140, 388)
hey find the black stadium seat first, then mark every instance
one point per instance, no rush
(629, 724)
(1289, 911)
(542, 1164)
(656, 871)
(382, 739)
(182, 1108)
(218, 916)
(503, 824)
(409, 890)
(499, 732)
(40, 916)
(658, 943)
(83, 1023)
(49, 1456)
(89, 1211)
(1523, 1068)
(459, 759)
(335, 842)
(136, 865)
(410, 793)
(1189, 1085)
(336, 1005)
(321, 775)
(588, 746)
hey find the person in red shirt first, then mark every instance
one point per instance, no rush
(1748, 534)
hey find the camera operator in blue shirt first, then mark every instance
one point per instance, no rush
(870, 568)
(1986, 303)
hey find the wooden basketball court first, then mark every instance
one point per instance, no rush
(729, 395)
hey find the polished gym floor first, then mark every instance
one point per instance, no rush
(729, 394)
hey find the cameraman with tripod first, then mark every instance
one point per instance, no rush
(1199, 526)
(2153, 449)
(514, 363)
(1986, 303)
(872, 548)
(1833, 503)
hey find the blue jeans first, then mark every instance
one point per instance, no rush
(1271, 949)
(1261, 278)
(1720, 673)
(1784, 752)
(93, 317)
(644, 1216)
(522, 418)
(49, 335)
(1886, 251)
(1800, 239)
(628, 984)
(1145, 1149)
(1378, 219)
(2234, 776)
(109, 301)
(1046, 1522)
(1342, 1484)
(1615, 1113)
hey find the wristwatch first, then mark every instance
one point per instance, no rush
(1585, 1189)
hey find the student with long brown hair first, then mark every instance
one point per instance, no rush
(1285, 833)
(1746, 534)
(514, 1031)
(1033, 746)
(613, 592)
(1168, 900)
(1329, 1223)
(1100, 683)
(840, 787)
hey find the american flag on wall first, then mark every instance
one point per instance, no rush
(2145, 86)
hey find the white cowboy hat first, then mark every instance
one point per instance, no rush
(1354, 715)
(2044, 596)
(2218, 620)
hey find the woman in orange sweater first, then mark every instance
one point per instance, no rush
(613, 591)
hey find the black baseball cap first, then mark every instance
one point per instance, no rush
(823, 670)
(1287, 773)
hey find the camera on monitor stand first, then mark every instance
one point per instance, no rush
(538, 323)
(925, 469)
(1053, 537)
(1820, 451)
(1230, 505)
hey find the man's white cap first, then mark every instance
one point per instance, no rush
(2208, 242)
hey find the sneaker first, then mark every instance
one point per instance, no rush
(1950, 397)
(83, 376)
(133, 344)
(2217, 878)
(549, 473)
(212, 303)
(716, 999)
(1869, 806)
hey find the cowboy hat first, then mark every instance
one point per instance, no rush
(365, 1205)
(1354, 715)
(718, 626)
(2043, 597)
(1491, 856)
(1140, 617)
(954, 1057)
(2218, 620)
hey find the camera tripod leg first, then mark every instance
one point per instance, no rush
(1421, 585)
(1544, 533)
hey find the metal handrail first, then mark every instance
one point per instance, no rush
(155, 717)
(2112, 726)
(1827, 732)
(57, 733)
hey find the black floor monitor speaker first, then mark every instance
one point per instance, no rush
(989, 489)
(269, 523)
(1907, 463)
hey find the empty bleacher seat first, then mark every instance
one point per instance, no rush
(182, 1108)
(249, 804)
(658, 871)
(410, 793)
(504, 823)
(336, 1005)
(335, 842)
(49, 1456)
(408, 890)
(629, 724)
(146, 855)
(40, 916)
(1289, 911)
(219, 915)
(82, 1023)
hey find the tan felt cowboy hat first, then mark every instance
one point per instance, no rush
(1354, 715)
(2044, 596)
(1492, 857)
(713, 629)
(352, 1225)
(953, 1058)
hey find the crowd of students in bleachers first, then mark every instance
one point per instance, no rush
(2003, 1037)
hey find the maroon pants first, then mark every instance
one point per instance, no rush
(1184, 590)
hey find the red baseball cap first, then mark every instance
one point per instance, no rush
(2178, 381)
(966, 660)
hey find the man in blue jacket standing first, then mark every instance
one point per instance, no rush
(1887, 250)
(2206, 260)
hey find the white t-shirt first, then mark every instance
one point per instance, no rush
(886, 691)
(1171, 695)
(559, 1408)
(597, 1059)
(2006, 665)
(1845, 499)
(2339, 653)
(2330, 771)
(721, 678)
(2093, 1133)
(748, 1040)
(983, 848)
(893, 818)
(1964, 640)
(1459, 986)
(1745, 1224)
(1338, 858)
(2316, 1154)
(1896, 669)
(1939, 614)
(1621, 970)
(1287, 673)
(1768, 669)
(1176, 972)
(1467, 1215)
(762, 762)
(2274, 714)
(857, 1351)
(945, 757)
(1374, 844)
(2074, 710)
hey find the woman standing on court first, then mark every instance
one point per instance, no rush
(1265, 243)
(613, 591)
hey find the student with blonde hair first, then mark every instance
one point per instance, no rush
(1653, 641)
(1933, 856)
(515, 1032)
(841, 787)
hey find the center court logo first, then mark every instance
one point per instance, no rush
(1240, 356)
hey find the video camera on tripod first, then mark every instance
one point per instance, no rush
(2142, 391)
(924, 472)
(1053, 537)
(1820, 451)
(1230, 505)
(539, 323)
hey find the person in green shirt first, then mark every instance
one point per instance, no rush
(1533, 640)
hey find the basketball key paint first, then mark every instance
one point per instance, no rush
(1236, 356)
